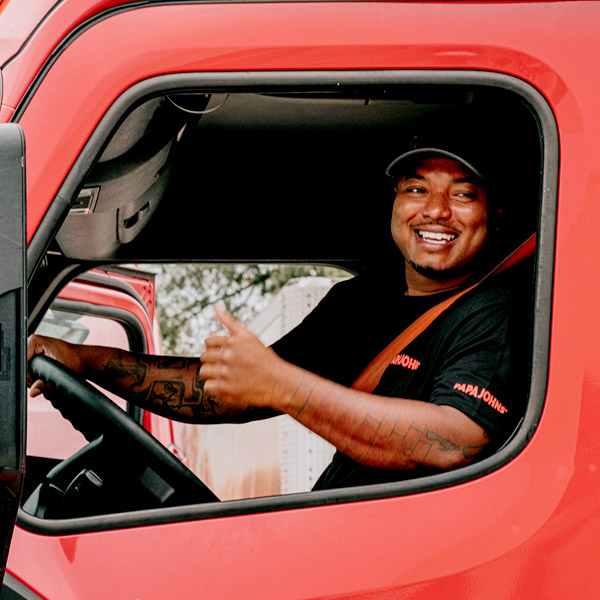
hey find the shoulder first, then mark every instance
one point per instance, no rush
(368, 289)
(500, 306)
(484, 302)
(511, 289)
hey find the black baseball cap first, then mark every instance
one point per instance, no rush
(455, 134)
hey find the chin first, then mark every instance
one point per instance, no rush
(440, 274)
(445, 273)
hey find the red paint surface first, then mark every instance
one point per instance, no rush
(528, 530)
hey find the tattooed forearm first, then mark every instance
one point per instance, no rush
(444, 445)
(470, 452)
(182, 396)
(167, 392)
(204, 403)
(185, 394)
(169, 386)
(417, 443)
(382, 432)
(131, 372)
(172, 362)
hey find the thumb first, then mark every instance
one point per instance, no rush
(36, 389)
(228, 320)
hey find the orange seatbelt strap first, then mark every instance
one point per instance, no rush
(367, 381)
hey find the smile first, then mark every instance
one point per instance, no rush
(436, 237)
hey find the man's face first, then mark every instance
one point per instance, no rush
(439, 219)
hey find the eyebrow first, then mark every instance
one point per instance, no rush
(472, 180)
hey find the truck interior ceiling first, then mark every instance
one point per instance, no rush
(263, 174)
(286, 175)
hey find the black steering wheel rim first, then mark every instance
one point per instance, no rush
(93, 414)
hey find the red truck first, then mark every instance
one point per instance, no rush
(219, 131)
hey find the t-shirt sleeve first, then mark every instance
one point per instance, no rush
(474, 375)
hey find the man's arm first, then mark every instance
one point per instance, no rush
(377, 431)
(168, 386)
(382, 432)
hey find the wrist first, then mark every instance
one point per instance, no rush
(294, 390)
(82, 362)
(90, 359)
(285, 379)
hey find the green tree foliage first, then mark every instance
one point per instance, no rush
(187, 293)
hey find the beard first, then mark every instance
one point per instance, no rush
(472, 267)
(442, 274)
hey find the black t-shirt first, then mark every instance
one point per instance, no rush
(474, 357)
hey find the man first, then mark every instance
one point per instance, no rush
(442, 401)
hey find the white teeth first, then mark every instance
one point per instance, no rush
(436, 237)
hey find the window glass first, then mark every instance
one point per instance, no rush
(274, 456)
(324, 179)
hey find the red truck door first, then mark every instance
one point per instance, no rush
(12, 331)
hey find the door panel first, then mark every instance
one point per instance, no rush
(12, 330)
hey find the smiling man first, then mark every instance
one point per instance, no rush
(452, 394)
(439, 222)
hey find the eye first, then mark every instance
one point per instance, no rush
(463, 195)
(415, 189)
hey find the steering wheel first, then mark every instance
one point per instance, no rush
(123, 468)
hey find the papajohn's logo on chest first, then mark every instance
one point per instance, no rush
(403, 360)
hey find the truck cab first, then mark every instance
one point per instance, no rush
(259, 132)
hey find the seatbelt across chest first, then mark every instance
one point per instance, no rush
(367, 381)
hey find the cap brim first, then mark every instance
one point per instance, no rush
(394, 167)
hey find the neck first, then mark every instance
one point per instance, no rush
(419, 284)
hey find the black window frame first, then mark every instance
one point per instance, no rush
(282, 81)
(130, 323)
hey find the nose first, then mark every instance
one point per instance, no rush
(437, 206)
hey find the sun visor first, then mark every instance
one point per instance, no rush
(126, 185)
